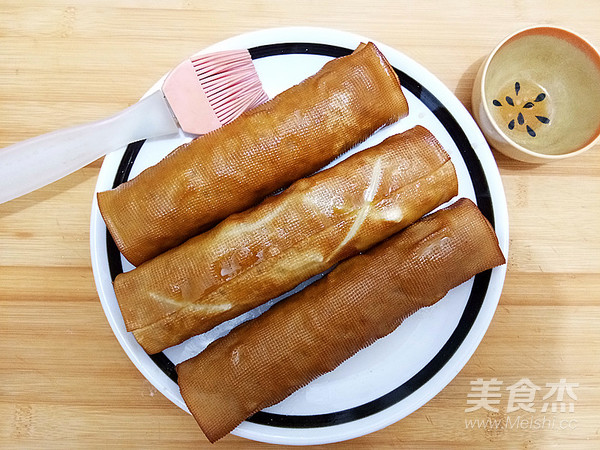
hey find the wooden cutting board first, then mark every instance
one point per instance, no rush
(64, 379)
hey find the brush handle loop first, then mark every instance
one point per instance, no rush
(34, 163)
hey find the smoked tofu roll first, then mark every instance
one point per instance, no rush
(363, 299)
(261, 253)
(267, 148)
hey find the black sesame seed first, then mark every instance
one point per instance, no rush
(520, 119)
(542, 119)
(530, 131)
(540, 97)
(510, 101)
(496, 103)
(511, 124)
(528, 105)
(517, 87)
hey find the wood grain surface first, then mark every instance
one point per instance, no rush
(64, 380)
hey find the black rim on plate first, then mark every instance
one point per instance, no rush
(478, 291)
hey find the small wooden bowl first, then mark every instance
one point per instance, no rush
(537, 95)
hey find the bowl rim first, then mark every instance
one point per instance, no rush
(504, 136)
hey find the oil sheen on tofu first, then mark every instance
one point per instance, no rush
(265, 251)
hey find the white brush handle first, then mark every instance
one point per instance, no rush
(31, 164)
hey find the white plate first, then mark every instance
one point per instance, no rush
(398, 374)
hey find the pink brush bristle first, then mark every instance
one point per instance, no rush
(208, 91)
(229, 82)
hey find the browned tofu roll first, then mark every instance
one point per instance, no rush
(364, 298)
(254, 256)
(268, 147)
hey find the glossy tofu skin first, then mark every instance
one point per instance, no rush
(363, 299)
(256, 255)
(268, 147)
